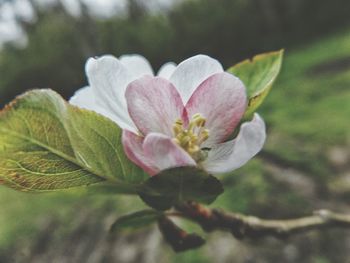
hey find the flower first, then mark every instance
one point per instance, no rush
(184, 116)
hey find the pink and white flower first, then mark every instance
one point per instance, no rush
(184, 116)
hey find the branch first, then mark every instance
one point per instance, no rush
(177, 238)
(253, 227)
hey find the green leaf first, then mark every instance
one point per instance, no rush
(97, 142)
(48, 144)
(136, 220)
(177, 185)
(110, 188)
(258, 75)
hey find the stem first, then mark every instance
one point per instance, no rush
(253, 227)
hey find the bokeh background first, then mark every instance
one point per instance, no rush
(304, 166)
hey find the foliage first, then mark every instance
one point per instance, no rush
(302, 128)
(258, 75)
(47, 144)
(175, 186)
(136, 220)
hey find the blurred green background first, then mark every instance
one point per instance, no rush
(305, 164)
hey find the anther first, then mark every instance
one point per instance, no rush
(178, 127)
(203, 136)
(191, 137)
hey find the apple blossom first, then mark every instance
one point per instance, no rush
(184, 116)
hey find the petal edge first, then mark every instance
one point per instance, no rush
(193, 71)
(133, 148)
(233, 154)
(165, 153)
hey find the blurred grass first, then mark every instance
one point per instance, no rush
(313, 106)
(20, 212)
(25, 214)
(307, 112)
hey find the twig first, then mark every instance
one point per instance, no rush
(253, 227)
(177, 238)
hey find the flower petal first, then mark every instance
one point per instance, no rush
(84, 98)
(165, 153)
(221, 99)
(154, 104)
(166, 70)
(108, 79)
(192, 72)
(233, 154)
(132, 144)
(137, 65)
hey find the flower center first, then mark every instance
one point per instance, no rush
(193, 136)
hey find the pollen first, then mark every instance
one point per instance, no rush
(191, 137)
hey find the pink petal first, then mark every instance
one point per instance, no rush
(154, 104)
(222, 100)
(133, 149)
(165, 153)
(231, 155)
(193, 71)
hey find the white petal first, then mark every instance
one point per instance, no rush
(190, 73)
(85, 98)
(137, 65)
(233, 154)
(166, 70)
(108, 79)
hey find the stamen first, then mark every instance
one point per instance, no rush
(204, 135)
(191, 138)
(178, 127)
